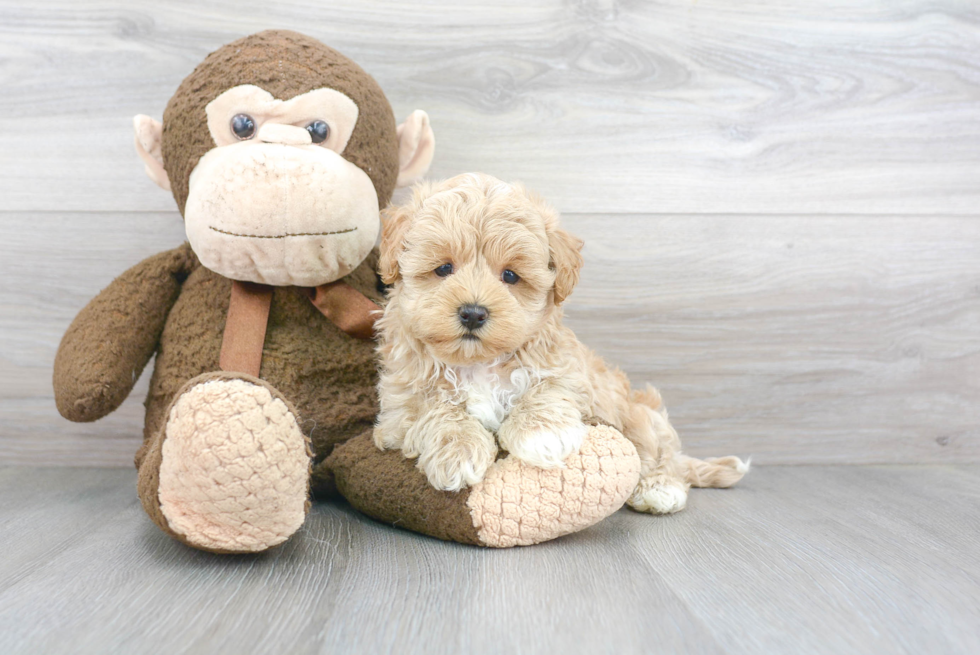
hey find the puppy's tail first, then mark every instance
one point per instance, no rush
(717, 472)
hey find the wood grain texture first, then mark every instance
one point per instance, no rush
(796, 559)
(829, 560)
(604, 106)
(48, 276)
(794, 338)
(782, 213)
(804, 324)
(787, 338)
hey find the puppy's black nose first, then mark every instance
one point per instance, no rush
(473, 316)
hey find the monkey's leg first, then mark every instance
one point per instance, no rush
(516, 504)
(229, 472)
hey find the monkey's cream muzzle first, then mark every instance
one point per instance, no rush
(272, 211)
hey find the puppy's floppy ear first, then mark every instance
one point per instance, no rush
(566, 259)
(396, 221)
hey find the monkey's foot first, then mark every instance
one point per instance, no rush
(515, 504)
(518, 504)
(233, 467)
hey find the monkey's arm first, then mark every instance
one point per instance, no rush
(111, 340)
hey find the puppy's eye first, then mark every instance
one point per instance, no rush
(319, 131)
(243, 126)
(445, 270)
(510, 277)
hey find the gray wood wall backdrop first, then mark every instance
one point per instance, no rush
(780, 198)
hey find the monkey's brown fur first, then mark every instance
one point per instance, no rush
(171, 305)
(286, 64)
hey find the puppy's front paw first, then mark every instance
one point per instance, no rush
(457, 457)
(544, 447)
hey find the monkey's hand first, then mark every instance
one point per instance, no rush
(111, 340)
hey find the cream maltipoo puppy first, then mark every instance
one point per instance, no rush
(474, 353)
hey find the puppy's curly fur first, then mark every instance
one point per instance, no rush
(453, 386)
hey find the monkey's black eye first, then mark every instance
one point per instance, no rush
(243, 126)
(510, 277)
(319, 131)
(445, 270)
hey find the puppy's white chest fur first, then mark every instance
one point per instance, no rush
(489, 393)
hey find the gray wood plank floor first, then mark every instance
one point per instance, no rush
(869, 559)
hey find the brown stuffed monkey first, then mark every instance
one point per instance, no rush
(280, 153)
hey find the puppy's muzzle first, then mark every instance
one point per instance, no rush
(473, 316)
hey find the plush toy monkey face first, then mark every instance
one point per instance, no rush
(269, 204)
(299, 159)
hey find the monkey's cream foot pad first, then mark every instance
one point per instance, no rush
(235, 469)
(519, 505)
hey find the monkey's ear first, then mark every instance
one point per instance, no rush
(416, 145)
(566, 261)
(149, 139)
(395, 221)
